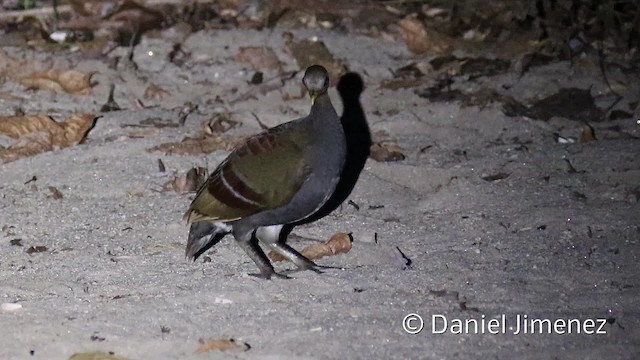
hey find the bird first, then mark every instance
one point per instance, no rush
(275, 178)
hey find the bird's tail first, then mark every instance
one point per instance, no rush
(202, 236)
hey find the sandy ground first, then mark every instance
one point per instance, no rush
(547, 242)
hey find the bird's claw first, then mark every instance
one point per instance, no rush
(268, 275)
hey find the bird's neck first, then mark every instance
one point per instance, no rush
(322, 107)
(324, 120)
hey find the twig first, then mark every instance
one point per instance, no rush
(263, 126)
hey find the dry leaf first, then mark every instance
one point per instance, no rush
(219, 124)
(384, 152)
(189, 182)
(56, 80)
(588, 134)
(156, 92)
(40, 133)
(309, 52)
(55, 193)
(269, 85)
(222, 345)
(96, 356)
(421, 40)
(36, 249)
(339, 243)
(139, 134)
(199, 145)
(132, 17)
(259, 57)
(119, 18)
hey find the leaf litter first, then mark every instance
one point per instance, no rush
(35, 134)
(57, 80)
(339, 243)
(222, 344)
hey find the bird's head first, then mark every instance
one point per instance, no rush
(316, 80)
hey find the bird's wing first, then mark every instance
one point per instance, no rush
(263, 173)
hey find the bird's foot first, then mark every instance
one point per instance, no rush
(318, 269)
(307, 266)
(268, 275)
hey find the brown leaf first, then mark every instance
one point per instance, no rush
(316, 251)
(199, 145)
(385, 152)
(17, 126)
(309, 52)
(421, 40)
(28, 145)
(96, 356)
(55, 193)
(259, 57)
(118, 19)
(56, 80)
(222, 345)
(269, 85)
(36, 249)
(128, 12)
(275, 257)
(75, 129)
(339, 243)
(571, 103)
(134, 17)
(154, 91)
(159, 123)
(220, 123)
(40, 133)
(189, 182)
(588, 134)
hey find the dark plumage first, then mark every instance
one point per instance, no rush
(275, 178)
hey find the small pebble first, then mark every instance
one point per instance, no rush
(10, 307)
(368, 237)
(219, 300)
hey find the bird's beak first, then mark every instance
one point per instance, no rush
(313, 95)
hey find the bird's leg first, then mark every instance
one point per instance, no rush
(249, 244)
(270, 236)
